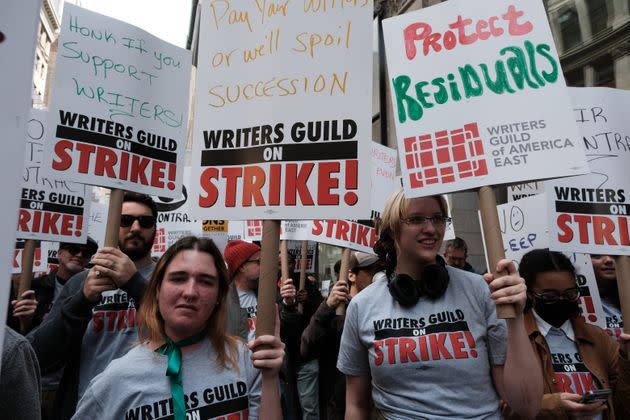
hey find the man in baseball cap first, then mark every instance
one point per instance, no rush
(243, 261)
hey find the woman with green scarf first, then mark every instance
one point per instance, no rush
(186, 365)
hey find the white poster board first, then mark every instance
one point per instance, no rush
(98, 222)
(524, 190)
(523, 229)
(18, 32)
(119, 106)
(589, 213)
(383, 176)
(283, 110)
(479, 97)
(344, 233)
(50, 209)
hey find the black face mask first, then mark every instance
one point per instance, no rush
(558, 312)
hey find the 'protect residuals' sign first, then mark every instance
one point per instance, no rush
(50, 209)
(283, 110)
(590, 213)
(479, 97)
(119, 106)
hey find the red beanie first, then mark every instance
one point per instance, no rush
(237, 252)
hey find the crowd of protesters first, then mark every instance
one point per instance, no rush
(112, 334)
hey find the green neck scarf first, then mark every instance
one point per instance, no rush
(174, 370)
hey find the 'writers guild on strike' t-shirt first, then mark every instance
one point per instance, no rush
(614, 320)
(249, 302)
(135, 387)
(432, 360)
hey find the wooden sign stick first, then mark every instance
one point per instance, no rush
(343, 276)
(303, 264)
(266, 314)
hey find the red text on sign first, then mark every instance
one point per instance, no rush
(46, 222)
(597, 230)
(344, 230)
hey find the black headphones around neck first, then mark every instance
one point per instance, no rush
(432, 284)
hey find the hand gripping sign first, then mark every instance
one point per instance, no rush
(479, 100)
(119, 106)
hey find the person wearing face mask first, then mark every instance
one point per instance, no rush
(575, 357)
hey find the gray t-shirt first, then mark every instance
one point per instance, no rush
(432, 360)
(136, 387)
(614, 320)
(249, 302)
(110, 333)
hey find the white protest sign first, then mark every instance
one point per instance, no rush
(40, 259)
(479, 97)
(18, 32)
(98, 222)
(217, 230)
(295, 249)
(50, 209)
(236, 230)
(523, 229)
(173, 220)
(283, 110)
(527, 189)
(344, 233)
(589, 213)
(119, 106)
(296, 230)
(383, 176)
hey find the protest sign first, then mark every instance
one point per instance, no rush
(527, 189)
(98, 218)
(295, 230)
(282, 111)
(50, 209)
(383, 176)
(236, 230)
(479, 97)
(119, 106)
(40, 260)
(294, 248)
(589, 213)
(524, 230)
(18, 32)
(344, 233)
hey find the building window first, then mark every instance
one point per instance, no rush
(575, 78)
(604, 71)
(570, 28)
(598, 15)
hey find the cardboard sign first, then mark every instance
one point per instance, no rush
(383, 176)
(282, 111)
(119, 106)
(40, 259)
(527, 189)
(18, 32)
(523, 229)
(344, 233)
(50, 209)
(294, 230)
(479, 97)
(589, 213)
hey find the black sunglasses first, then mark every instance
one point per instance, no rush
(76, 249)
(146, 222)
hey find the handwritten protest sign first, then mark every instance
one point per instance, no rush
(282, 111)
(589, 213)
(50, 209)
(383, 176)
(344, 233)
(119, 105)
(524, 230)
(40, 260)
(18, 32)
(479, 97)
(98, 220)
(527, 189)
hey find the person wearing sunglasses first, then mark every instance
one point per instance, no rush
(94, 320)
(575, 357)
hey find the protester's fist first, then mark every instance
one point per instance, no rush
(338, 294)
(287, 292)
(571, 405)
(95, 284)
(114, 264)
(24, 308)
(507, 289)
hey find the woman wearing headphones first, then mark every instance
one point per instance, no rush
(426, 337)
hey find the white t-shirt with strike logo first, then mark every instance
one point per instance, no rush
(135, 387)
(614, 320)
(571, 374)
(249, 302)
(432, 360)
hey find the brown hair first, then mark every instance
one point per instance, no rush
(150, 321)
(388, 226)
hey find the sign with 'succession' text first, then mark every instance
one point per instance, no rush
(283, 110)
(479, 97)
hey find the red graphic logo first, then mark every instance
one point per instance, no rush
(159, 245)
(445, 156)
(254, 228)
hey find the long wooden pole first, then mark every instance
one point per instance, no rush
(622, 267)
(303, 264)
(343, 276)
(113, 217)
(494, 241)
(266, 314)
(26, 277)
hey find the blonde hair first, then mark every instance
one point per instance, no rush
(151, 323)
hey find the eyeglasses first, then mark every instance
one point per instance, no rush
(76, 249)
(146, 222)
(553, 296)
(257, 261)
(437, 221)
